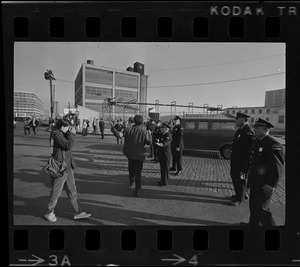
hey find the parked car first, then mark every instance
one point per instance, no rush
(209, 133)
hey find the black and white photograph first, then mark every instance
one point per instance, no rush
(149, 134)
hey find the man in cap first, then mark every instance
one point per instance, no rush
(265, 168)
(242, 142)
(177, 146)
(155, 136)
(164, 153)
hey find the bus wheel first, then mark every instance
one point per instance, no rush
(226, 151)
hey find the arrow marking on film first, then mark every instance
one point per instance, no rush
(178, 260)
(36, 261)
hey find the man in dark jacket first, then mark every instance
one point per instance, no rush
(177, 146)
(155, 137)
(242, 141)
(164, 153)
(101, 127)
(62, 140)
(136, 137)
(265, 167)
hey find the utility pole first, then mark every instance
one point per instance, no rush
(49, 76)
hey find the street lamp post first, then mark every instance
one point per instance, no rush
(49, 76)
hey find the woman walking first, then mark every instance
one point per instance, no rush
(62, 137)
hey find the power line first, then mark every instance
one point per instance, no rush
(226, 81)
(64, 81)
(217, 64)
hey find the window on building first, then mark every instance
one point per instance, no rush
(252, 111)
(267, 119)
(246, 111)
(260, 111)
(233, 111)
(227, 111)
(268, 110)
(252, 120)
(281, 119)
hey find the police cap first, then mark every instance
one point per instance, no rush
(261, 122)
(241, 115)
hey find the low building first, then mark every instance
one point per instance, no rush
(275, 115)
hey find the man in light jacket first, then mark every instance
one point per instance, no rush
(136, 137)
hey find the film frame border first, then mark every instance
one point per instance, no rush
(182, 22)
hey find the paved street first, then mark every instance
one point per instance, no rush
(199, 197)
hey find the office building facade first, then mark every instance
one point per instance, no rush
(275, 98)
(95, 84)
(28, 104)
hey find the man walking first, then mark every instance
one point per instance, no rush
(136, 137)
(265, 167)
(242, 142)
(177, 146)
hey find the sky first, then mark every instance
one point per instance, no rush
(227, 74)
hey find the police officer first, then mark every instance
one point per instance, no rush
(242, 142)
(155, 137)
(177, 146)
(164, 153)
(265, 167)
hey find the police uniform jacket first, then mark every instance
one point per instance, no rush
(177, 137)
(265, 164)
(63, 143)
(164, 152)
(156, 133)
(136, 137)
(242, 141)
(101, 125)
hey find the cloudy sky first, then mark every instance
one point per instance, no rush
(228, 74)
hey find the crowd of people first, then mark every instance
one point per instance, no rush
(256, 164)
(28, 124)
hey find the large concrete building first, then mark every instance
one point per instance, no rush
(273, 111)
(28, 104)
(94, 84)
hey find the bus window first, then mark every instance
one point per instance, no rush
(223, 125)
(190, 125)
(202, 125)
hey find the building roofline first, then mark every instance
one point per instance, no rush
(113, 69)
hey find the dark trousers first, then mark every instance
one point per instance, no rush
(177, 159)
(154, 150)
(239, 185)
(259, 203)
(135, 168)
(151, 149)
(26, 129)
(102, 134)
(33, 128)
(164, 171)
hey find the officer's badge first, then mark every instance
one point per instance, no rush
(277, 147)
(260, 149)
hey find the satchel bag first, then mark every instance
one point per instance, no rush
(54, 168)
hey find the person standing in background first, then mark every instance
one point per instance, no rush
(101, 127)
(164, 153)
(177, 146)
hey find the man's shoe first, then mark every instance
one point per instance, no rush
(172, 169)
(50, 217)
(236, 203)
(137, 193)
(161, 184)
(82, 215)
(178, 173)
